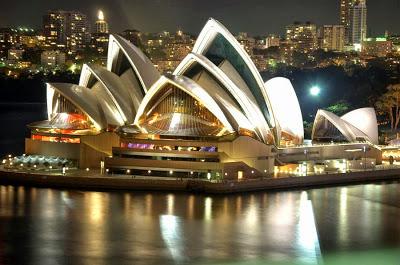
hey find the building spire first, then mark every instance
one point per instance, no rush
(100, 15)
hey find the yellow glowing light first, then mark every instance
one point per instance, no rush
(100, 15)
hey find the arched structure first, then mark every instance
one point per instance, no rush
(238, 106)
(70, 98)
(109, 85)
(182, 102)
(329, 127)
(287, 110)
(365, 120)
(132, 66)
(217, 44)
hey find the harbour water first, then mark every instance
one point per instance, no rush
(343, 225)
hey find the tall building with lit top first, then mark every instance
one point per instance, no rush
(101, 24)
(100, 36)
(358, 22)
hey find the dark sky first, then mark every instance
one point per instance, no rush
(253, 16)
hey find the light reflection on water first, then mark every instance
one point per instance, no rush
(60, 226)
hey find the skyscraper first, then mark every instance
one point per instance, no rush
(66, 29)
(345, 6)
(358, 22)
(101, 23)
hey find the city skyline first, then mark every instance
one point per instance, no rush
(265, 17)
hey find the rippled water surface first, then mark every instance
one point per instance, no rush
(347, 225)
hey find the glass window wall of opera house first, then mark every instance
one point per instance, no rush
(214, 117)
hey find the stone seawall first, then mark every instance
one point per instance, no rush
(99, 182)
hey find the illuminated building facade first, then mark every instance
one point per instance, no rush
(213, 117)
(101, 23)
(272, 41)
(66, 29)
(52, 59)
(99, 40)
(302, 37)
(333, 37)
(358, 22)
(345, 6)
(378, 47)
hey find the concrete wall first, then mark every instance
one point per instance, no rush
(324, 152)
(164, 165)
(65, 150)
(251, 152)
(103, 142)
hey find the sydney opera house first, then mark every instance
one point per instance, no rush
(214, 117)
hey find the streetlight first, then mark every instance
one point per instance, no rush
(314, 91)
(365, 157)
(306, 154)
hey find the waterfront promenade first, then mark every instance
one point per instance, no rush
(81, 179)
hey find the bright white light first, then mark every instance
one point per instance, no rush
(314, 91)
(171, 233)
(101, 15)
(357, 47)
(175, 120)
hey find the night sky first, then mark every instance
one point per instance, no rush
(253, 16)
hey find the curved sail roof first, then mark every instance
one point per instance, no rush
(83, 98)
(365, 120)
(111, 85)
(190, 87)
(325, 119)
(144, 70)
(217, 44)
(286, 107)
(242, 106)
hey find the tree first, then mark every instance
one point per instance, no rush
(339, 108)
(389, 104)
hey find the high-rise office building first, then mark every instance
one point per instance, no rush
(358, 22)
(332, 37)
(302, 37)
(345, 6)
(101, 23)
(66, 29)
(100, 35)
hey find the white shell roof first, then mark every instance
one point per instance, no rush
(365, 120)
(115, 88)
(206, 38)
(286, 106)
(82, 97)
(250, 116)
(349, 130)
(143, 67)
